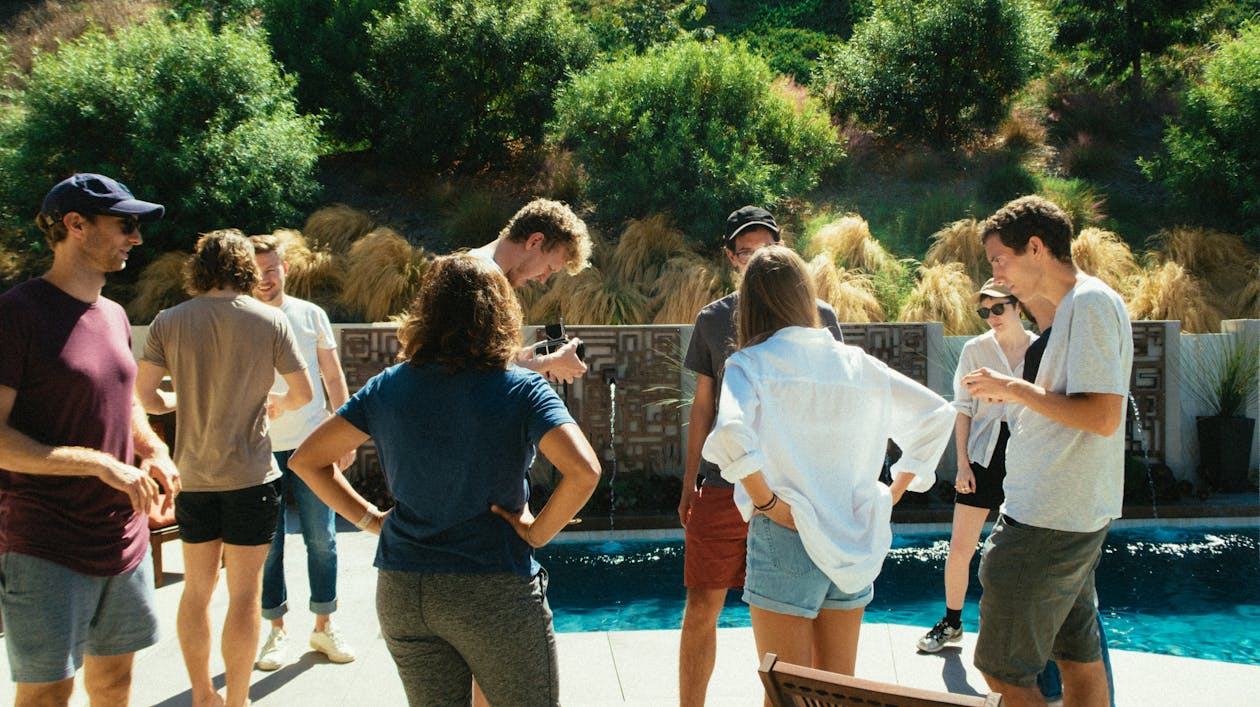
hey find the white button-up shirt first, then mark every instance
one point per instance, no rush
(984, 351)
(814, 416)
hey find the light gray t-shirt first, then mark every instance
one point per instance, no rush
(1059, 477)
(223, 354)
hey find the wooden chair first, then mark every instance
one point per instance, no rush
(790, 685)
(162, 526)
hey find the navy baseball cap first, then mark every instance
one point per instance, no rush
(92, 194)
(748, 217)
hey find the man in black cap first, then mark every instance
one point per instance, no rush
(76, 582)
(715, 533)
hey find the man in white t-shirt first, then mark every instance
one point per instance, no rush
(318, 345)
(1065, 465)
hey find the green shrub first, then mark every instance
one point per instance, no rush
(463, 80)
(935, 70)
(693, 130)
(324, 44)
(199, 121)
(1212, 160)
(635, 25)
(790, 50)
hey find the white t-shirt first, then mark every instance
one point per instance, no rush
(814, 415)
(1059, 477)
(313, 331)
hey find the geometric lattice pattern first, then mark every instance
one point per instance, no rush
(645, 364)
(1148, 386)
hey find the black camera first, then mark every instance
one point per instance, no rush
(557, 337)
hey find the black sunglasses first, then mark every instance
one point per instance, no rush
(131, 223)
(998, 308)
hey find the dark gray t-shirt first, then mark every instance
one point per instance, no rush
(712, 341)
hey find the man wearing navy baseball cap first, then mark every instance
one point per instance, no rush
(715, 534)
(78, 582)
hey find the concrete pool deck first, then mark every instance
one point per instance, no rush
(610, 668)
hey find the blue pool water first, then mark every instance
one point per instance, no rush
(1186, 591)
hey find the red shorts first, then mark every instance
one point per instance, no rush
(716, 541)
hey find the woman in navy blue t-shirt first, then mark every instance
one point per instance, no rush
(456, 427)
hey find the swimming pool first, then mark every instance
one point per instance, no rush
(1191, 592)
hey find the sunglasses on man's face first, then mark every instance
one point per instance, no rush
(129, 225)
(997, 309)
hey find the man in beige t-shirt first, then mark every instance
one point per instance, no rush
(222, 349)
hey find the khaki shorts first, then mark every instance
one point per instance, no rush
(1039, 600)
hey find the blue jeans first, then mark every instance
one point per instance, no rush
(1051, 684)
(319, 532)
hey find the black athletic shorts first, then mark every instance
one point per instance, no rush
(242, 517)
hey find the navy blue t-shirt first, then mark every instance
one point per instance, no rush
(450, 445)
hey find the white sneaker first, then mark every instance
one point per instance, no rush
(275, 652)
(331, 644)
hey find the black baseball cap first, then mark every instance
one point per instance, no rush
(93, 194)
(748, 217)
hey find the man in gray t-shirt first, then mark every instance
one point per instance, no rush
(1065, 464)
(716, 534)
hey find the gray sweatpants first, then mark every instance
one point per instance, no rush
(444, 629)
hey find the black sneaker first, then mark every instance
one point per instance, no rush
(940, 634)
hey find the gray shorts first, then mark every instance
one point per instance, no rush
(444, 629)
(54, 615)
(1038, 601)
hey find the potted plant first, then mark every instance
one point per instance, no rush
(1223, 378)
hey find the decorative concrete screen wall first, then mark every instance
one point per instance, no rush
(644, 363)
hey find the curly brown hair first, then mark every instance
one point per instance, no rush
(465, 316)
(222, 259)
(559, 226)
(1030, 216)
(777, 292)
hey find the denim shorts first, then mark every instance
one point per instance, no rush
(1038, 601)
(54, 615)
(782, 578)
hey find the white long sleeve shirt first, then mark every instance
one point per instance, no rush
(814, 416)
(984, 351)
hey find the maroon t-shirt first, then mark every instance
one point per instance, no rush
(71, 365)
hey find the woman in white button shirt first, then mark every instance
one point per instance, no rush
(802, 426)
(980, 435)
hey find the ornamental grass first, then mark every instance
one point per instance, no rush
(382, 275)
(944, 293)
(336, 227)
(850, 293)
(1225, 265)
(959, 242)
(1169, 291)
(1106, 256)
(161, 285)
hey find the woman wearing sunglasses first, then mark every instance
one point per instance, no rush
(980, 433)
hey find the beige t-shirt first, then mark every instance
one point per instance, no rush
(223, 354)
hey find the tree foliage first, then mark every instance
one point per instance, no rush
(635, 25)
(694, 130)
(199, 121)
(324, 44)
(463, 80)
(934, 70)
(1212, 160)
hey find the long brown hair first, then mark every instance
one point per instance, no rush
(777, 292)
(465, 316)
